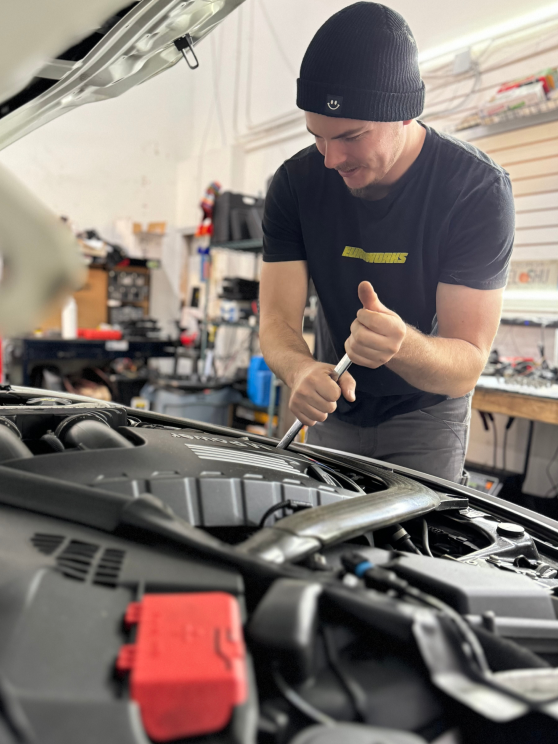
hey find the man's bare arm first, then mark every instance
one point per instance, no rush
(283, 291)
(452, 362)
(448, 364)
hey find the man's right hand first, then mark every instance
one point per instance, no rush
(315, 392)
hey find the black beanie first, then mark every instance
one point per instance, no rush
(362, 64)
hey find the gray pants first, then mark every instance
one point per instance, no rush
(432, 440)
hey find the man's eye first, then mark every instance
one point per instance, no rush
(354, 139)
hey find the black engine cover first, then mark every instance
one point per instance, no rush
(208, 480)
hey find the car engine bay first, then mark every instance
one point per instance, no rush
(167, 580)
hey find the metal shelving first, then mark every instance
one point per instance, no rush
(255, 245)
(518, 121)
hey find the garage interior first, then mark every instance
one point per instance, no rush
(167, 318)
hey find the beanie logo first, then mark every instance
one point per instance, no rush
(333, 103)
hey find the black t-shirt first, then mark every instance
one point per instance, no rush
(449, 218)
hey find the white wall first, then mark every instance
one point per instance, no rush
(251, 64)
(113, 159)
(116, 159)
(149, 154)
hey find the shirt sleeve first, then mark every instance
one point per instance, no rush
(281, 222)
(481, 236)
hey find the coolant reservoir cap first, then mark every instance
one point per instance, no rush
(507, 529)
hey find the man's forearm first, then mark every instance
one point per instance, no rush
(284, 349)
(448, 366)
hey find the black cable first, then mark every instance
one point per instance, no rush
(485, 425)
(353, 689)
(509, 424)
(425, 540)
(495, 441)
(397, 537)
(291, 504)
(376, 577)
(14, 715)
(299, 702)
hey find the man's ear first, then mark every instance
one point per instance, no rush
(408, 121)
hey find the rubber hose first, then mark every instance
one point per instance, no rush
(11, 446)
(93, 435)
(503, 654)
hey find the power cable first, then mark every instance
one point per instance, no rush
(449, 74)
(216, 71)
(236, 88)
(250, 62)
(291, 504)
(425, 540)
(353, 689)
(494, 440)
(299, 702)
(276, 39)
(384, 579)
(464, 100)
(509, 424)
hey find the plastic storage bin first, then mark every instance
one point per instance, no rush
(210, 406)
(259, 382)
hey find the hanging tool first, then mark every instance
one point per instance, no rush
(343, 366)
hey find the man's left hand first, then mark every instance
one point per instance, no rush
(376, 334)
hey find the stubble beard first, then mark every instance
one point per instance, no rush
(370, 192)
(375, 190)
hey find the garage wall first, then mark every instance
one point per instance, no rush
(150, 154)
(113, 159)
(244, 131)
(530, 155)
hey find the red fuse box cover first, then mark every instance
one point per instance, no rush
(188, 664)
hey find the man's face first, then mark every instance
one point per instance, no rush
(362, 152)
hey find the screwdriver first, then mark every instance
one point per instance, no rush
(343, 366)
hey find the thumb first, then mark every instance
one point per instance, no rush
(369, 299)
(348, 385)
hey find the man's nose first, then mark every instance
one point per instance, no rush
(334, 155)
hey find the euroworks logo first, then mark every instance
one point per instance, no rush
(391, 258)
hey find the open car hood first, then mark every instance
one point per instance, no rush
(130, 47)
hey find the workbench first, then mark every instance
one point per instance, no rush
(493, 395)
(29, 352)
(518, 405)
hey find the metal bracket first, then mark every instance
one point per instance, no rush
(184, 44)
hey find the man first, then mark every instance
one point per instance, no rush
(407, 235)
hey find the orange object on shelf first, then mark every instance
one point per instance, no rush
(98, 334)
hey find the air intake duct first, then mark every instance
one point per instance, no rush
(90, 432)
(11, 446)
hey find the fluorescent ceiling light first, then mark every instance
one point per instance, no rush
(490, 32)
